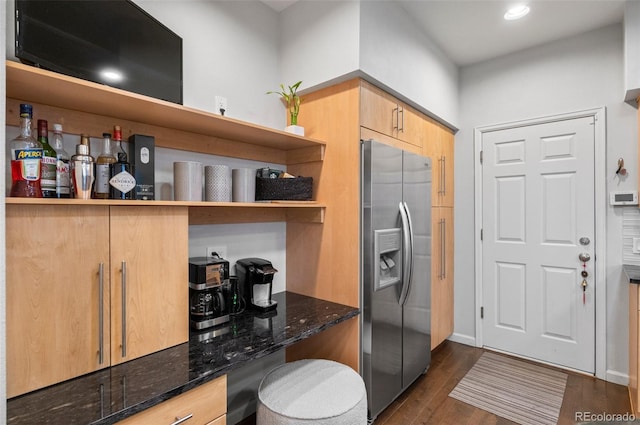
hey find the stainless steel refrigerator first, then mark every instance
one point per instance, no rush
(396, 271)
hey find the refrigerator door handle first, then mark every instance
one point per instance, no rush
(407, 261)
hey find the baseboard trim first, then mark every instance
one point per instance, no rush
(463, 339)
(617, 377)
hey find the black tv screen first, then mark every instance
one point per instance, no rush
(113, 42)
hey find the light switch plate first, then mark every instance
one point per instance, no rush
(636, 246)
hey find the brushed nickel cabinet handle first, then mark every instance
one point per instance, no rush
(441, 188)
(442, 249)
(124, 308)
(396, 126)
(444, 175)
(101, 313)
(401, 111)
(181, 420)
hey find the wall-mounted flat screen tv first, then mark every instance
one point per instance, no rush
(113, 42)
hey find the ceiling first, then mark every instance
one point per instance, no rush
(471, 31)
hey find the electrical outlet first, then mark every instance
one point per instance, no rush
(221, 105)
(635, 249)
(221, 250)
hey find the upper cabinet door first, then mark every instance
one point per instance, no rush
(439, 146)
(150, 276)
(381, 112)
(411, 127)
(54, 280)
(378, 111)
(447, 148)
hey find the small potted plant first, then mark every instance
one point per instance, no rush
(292, 100)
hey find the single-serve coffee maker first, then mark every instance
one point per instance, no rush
(255, 278)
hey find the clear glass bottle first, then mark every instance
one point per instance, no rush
(26, 157)
(49, 161)
(63, 181)
(103, 163)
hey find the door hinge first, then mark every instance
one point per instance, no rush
(481, 152)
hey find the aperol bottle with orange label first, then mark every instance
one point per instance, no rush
(26, 158)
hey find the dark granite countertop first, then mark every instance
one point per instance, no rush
(633, 273)
(112, 394)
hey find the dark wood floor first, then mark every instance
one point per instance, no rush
(427, 401)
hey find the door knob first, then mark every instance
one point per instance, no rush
(584, 257)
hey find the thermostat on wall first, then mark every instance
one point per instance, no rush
(623, 197)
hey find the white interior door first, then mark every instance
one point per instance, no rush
(538, 202)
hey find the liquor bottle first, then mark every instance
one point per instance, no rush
(117, 137)
(26, 157)
(82, 170)
(105, 159)
(48, 163)
(63, 181)
(122, 181)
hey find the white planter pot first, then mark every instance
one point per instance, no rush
(295, 129)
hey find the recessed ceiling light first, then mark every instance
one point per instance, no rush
(516, 12)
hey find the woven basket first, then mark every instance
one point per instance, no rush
(295, 189)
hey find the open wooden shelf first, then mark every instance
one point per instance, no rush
(87, 107)
(209, 212)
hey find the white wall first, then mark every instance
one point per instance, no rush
(230, 48)
(577, 73)
(325, 42)
(319, 41)
(397, 53)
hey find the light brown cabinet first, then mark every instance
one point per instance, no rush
(439, 147)
(65, 311)
(383, 113)
(57, 272)
(441, 275)
(634, 340)
(203, 405)
(149, 297)
(634, 336)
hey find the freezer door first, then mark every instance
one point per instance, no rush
(416, 332)
(381, 185)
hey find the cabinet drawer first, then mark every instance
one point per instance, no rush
(205, 403)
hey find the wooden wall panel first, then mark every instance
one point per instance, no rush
(323, 259)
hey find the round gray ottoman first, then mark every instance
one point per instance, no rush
(312, 391)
